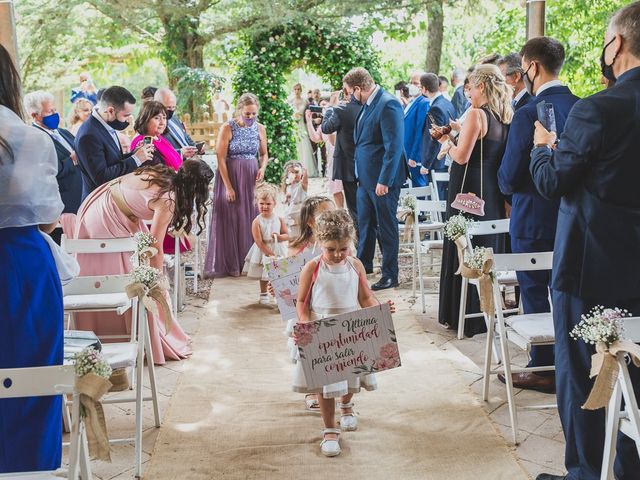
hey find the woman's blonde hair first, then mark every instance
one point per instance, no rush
(266, 190)
(285, 172)
(244, 100)
(496, 90)
(77, 105)
(335, 225)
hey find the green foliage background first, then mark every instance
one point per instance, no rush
(264, 60)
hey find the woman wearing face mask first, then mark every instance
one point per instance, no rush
(240, 141)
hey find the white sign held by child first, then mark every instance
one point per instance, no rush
(284, 274)
(347, 346)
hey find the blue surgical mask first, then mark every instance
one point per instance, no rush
(51, 121)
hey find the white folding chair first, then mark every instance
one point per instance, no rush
(625, 420)
(48, 381)
(125, 355)
(505, 279)
(434, 210)
(525, 331)
(92, 300)
(436, 178)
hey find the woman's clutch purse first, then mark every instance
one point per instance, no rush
(470, 203)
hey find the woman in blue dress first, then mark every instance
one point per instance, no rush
(31, 311)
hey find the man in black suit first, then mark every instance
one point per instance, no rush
(175, 133)
(441, 112)
(341, 119)
(511, 67)
(594, 171)
(97, 145)
(459, 100)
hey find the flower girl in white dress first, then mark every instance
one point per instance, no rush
(294, 185)
(269, 231)
(331, 284)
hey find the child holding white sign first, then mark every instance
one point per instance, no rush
(268, 231)
(334, 283)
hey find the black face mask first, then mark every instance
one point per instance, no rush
(607, 70)
(118, 125)
(170, 114)
(528, 83)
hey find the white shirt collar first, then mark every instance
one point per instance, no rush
(519, 96)
(545, 86)
(373, 95)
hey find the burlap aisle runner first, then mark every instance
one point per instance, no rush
(92, 388)
(483, 275)
(604, 366)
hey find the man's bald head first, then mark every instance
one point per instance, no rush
(166, 97)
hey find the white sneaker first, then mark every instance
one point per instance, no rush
(264, 299)
(330, 447)
(348, 421)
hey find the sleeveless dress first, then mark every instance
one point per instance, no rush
(255, 259)
(230, 229)
(297, 196)
(99, 217)
(335, 291)
(451, 284)
(304, 149)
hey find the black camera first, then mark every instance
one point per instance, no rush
(316, 112)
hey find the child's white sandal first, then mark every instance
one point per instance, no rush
(348, 421)
(330, 447)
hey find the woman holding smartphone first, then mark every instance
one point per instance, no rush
(151, 124)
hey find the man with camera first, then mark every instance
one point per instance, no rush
(533, 218)
(593, 171)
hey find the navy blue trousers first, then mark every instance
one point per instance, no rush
(377, 220)
(417, 179)
(584, 430)
(534, 291)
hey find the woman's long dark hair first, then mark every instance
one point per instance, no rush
(189, 185)
(10, 94)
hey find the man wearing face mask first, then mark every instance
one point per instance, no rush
(511, 67)
(594, 172)
(381, 171)
(40, 106)
(533, 217)
(100, 156)
(415, 116)
(175, 132)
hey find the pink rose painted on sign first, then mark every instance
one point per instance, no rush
(389, 357)
(390, 350)
(304, 339)
(303, 333)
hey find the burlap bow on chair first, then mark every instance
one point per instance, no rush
(149, 296)
(409, 218)
(146, 253)
(91, 388)
(483, 275)
(604, 366)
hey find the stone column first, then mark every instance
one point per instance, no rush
(535, 18)
(8, 34)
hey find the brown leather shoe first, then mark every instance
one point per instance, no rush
(531, 381)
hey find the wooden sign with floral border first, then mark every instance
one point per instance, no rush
(346, 346)
(284, 274)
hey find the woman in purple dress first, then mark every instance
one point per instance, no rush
(239, 144)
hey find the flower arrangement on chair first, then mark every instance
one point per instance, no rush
(603, 328)
(148, 284)
(457, 226)
(144, 247)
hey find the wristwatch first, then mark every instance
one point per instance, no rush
(542, 145)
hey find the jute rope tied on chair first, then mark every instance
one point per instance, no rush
(150, 295)
(482, 274)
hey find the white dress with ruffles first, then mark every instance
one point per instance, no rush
(255, 260)
(297, 196)
(335, 291)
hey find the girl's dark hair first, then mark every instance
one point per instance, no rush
(10, 94)
(308, 212)
(189, 185)
(149, 110)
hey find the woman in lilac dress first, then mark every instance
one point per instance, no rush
(240, 142)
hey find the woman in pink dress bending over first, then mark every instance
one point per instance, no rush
(118, 209)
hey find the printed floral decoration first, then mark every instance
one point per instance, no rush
(389, 357)
(601, 325)
(287, 297)
(457, 226)
(304, 333)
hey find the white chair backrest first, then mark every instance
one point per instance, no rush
(97, 284)
(107, 245)
(426, 206)
(522, 262)
(36, 381)
(489, 227)
(631, 327)
(440, 176)
(415, 191)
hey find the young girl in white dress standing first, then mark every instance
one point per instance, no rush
(269, 231)
(339, 286)
(294, 185)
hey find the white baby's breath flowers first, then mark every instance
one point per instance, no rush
(90, 360)
(476, 258)
(601, 325)
(456, 226)
(146, 275)
(408, 202)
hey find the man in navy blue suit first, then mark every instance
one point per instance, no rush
(440, 112)
(415, 115)
(533, 217)
(459, 100)
(511, 67)
(97, 145)
(594, 172)
(381, 170)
